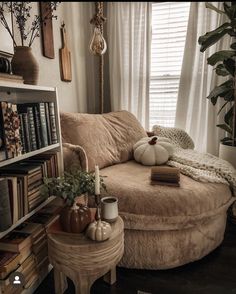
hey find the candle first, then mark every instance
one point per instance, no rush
(97, 180)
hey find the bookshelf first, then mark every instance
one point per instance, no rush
(24, 218)
(21, 93)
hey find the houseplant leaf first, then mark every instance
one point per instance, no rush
(212, 37)
(225, 128)
(229, 116)
(220, 90)
(229, 10)
(230, 66)
(221, 70)
(212, 7)
(220, 56)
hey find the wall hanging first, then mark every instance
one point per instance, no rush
(65, 57)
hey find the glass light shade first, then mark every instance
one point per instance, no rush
(98, 45)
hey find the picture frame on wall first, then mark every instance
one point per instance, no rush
(6, 42)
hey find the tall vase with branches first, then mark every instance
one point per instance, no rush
(28, 29)
(224, 65)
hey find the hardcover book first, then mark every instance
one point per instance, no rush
(53, 122)
(5, 208)
(15, 241)
(11, 124)
(9, 261)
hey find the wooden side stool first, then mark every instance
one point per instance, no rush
(83, 260)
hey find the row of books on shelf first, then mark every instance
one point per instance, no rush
(21, 186)
(26, 127)
(25, 249)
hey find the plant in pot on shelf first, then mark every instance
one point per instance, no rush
(75, 216)
(26, 29)
(224, 65)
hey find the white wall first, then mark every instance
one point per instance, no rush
(80, 94)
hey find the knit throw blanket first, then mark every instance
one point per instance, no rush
(202, 167)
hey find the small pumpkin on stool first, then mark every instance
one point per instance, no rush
(153, 150)
(99, 230)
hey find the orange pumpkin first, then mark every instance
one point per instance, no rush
(75, 219)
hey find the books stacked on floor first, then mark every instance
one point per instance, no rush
(165, 175)
(20, 186)
(26, 127)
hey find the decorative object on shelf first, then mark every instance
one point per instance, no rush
(30, 69)
(5, 65)
(99, 230)
(225, 67)
(109, 208)
(65, 57)
(98, 46)
(23, 62)
(153, 150)
(71, 186)
(47, 30)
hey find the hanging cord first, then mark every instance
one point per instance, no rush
(98, 20)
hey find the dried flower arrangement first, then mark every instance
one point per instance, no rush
(28, 28)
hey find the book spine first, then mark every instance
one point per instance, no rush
(16, 130)
(22, 134)
(31, 128)
(37, 127)
(5, 208)
(3, 154)
(43, 123)
(26, 132)
(48, 124)
(53, 122)
(7, 129)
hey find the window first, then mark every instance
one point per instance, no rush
(169, 27)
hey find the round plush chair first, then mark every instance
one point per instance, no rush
(165, 226)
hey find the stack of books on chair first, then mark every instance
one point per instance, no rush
(165, 175)
(25, 248)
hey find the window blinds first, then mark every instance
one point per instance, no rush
(169, 27)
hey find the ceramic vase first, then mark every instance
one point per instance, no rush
(109, 207)
(228, 153)
(24, 64)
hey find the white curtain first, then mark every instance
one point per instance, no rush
(195, 113)
(129, 43)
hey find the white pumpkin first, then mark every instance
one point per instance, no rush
(153, 150)
(99, 230)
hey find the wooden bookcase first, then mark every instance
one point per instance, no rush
(21, 93)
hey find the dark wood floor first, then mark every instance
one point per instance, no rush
(214, 274)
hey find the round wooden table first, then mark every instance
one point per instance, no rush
(83, 260)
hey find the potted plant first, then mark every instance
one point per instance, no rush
(74, 217)
(23, 62)
(224, 65)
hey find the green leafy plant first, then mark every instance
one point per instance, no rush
(71, 185)
(224, 65)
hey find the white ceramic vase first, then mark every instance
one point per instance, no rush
(109, 209)
(228, 153)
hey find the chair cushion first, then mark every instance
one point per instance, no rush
(146, 206)
(106, 138)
